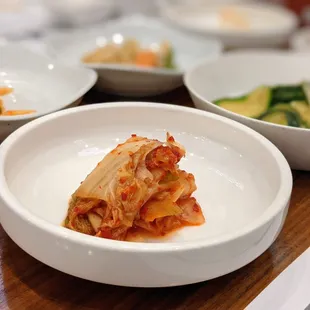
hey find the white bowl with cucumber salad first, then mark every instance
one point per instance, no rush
(266, 90)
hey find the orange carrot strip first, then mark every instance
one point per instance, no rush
(5, 91)
(146, 58)
(17, 112)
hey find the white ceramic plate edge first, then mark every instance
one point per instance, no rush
(91, 74)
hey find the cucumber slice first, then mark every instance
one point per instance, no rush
(284, 117)
(306, 89)
(282, 94)
(303, 110)
(254, 105)
(283, 107)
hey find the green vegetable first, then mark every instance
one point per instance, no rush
(169, 59)
(166, 55)
(306, 89)
(283, 107)
(282, 94)
(253, 105)
(170, 177)
(303, 110)
(282, 117)
(287, 105)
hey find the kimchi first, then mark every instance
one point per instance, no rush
(138, 187)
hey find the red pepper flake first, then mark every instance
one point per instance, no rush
(143, 210)
(177, 154)
(133, 135)
(171, 139)
(119, 153)
(105, 233)
(128, 191)
(122, 180)
(124, 196)
(162, 157)
(100, 187)
(196, 208)
(81, 182)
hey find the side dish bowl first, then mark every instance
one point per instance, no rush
(244, 187)
(238, 73)
(39, 84)
(239, 24)
(131, 80)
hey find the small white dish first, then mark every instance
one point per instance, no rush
(79, 13)
(244, 186)
(238, 25)
(132, 80)
(20, 19)
(300, 41)
(38, 84)
(238, 73)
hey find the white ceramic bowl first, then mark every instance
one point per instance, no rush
(80, 12)
(240, 72)
(39, 84)
(300, 41)
(269, 25)
(132, 80)
(244, 186)
(21, 19)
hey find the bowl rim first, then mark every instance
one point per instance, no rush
(134, 69)
(9, 201)
(298, 40)
(187, 80)
(90, 75)
(291, 21)
(134, 20)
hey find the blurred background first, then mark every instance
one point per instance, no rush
(25, 19)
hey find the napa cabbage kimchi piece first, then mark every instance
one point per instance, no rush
(138, 186)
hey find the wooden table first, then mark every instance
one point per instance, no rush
(26, 283)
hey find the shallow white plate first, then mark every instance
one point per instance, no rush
(240, 72)
(268, 25)
(244, 184)
(300, 41)
(39, 84)
(132, 80)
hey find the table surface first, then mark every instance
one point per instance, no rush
(26, 283)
